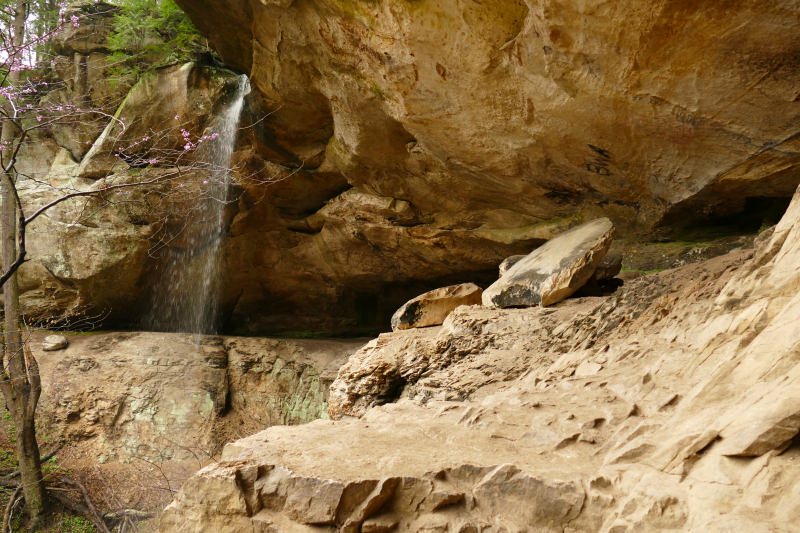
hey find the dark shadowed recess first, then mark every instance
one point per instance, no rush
(743, 216)
(357, 312)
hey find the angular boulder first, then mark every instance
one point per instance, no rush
(431, 308)
(609, 266)
(555, 270)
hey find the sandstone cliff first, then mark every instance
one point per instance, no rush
(468, 129)
(400, 146)
(671, 405)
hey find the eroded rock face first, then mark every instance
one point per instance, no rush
(555, 270)
(404, 146)
(671, 405)
(462, 128)
(152, 119)
(166, 395)
(543, 109)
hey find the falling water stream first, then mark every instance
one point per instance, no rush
(186, 298)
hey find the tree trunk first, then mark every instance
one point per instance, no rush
(20, 384)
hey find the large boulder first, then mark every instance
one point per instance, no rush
(431, 308)
(555, 270)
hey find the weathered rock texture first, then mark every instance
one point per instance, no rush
(555, 270)
(669, 406)
(432, 308)
(486, 119)
(414, 145)
(98, 255)
(509, 262)
(123, 396)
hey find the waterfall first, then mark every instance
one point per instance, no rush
(186, 296)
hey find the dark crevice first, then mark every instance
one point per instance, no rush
(745, 216)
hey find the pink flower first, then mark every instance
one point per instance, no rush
(39, 118)
(153, 161)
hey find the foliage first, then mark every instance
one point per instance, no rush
(78, 524)
(152, 33)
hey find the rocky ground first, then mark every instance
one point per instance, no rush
(670, 405)
(119, 396)
(132, 415)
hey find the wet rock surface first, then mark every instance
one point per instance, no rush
(670, 405)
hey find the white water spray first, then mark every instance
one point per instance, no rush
(187, 295)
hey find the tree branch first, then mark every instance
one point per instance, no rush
(7, 515)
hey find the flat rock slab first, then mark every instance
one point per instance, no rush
(431, 308)
(555, 270)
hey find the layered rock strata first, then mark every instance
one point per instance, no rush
(671, 405)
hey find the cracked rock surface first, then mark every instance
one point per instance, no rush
(671, 405)
(125, 395)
